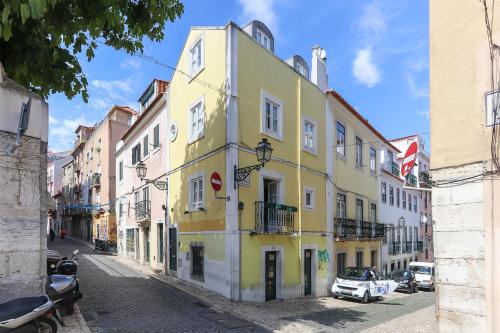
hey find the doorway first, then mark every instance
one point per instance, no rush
(172, 249)
(270, 275)
(341, 263)
(307, 272)
(137, 248)
(271, 195)
(146, 244)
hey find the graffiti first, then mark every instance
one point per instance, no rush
(120, 241)
(323, 258)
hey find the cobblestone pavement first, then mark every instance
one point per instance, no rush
(119, 299)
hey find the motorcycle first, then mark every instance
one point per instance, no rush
(28, 315)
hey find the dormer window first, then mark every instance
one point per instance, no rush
(196, 57)
(301, 69)
(263, 39)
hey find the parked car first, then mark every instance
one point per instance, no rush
(406, 280)
(361, 284)
(424, 273)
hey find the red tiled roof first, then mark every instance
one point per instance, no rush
(356, 114)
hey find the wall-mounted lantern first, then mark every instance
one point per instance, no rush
(142, 169)
(263, 152)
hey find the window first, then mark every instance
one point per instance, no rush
(309, 195)
(359, 258)
(120, 171)
(359, 209)
(196, 58)
(341, 263)
(391, 195)
(384, 192)
(196, 191)
(120, 208)
(197, 262)
(309, 130)
(196, 121)
(373, 160)
(404, 200)
(145, 147)
(373, 212)
(415, 203)
(271, 112)
(409, 202)
(263, 39)
(136, 154)
(145, 194)
(130, 240)
(359, 152)
(397, 197)
(390, 159)
(340, 139)
(160, 242)
(156, 136)
(301, 69)
(341, 212)
(373, 258)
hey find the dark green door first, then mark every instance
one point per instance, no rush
(307, 272)
(146, 244)
(172, 249)
(270, 275)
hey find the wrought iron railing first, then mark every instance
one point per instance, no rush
(411, 179)
(420, 246)
(425, 179)
(365, 229)
(96, 179)
(274, 218)
(394, 248)
(395, 169)
(142, 210)
(379, 230)
(345, 228)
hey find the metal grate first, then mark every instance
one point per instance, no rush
(89, 316)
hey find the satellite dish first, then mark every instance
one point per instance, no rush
(24, 119)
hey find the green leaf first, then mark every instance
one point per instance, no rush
(5, 13)
(7, 31)
(25, 12)
(37, 8)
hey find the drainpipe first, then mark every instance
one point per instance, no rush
(299, 182)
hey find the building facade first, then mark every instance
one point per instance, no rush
(464, 145)
(140, 205)
(55, 172)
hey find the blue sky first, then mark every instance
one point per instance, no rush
(377, 59)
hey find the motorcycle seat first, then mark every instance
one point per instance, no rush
(20, 306)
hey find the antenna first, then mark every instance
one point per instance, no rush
(24, 119)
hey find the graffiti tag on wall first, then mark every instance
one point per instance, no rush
(323, 259)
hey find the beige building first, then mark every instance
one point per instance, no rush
(93, 207)
(466, 187)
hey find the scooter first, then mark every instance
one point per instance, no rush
(70, 267)
(28, 315)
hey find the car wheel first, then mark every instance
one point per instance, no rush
(335, 296)
(432, 287)
(415, 289)
(366, 298)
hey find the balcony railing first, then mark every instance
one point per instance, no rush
(379, 230)
(348, 228)
(425, 179)
(274, 218)
(395, 169)
(412, 180)
(142, 210)
(77, 188)
(96, 180)
(420, 246)
(394, 248)
(345, 228)
(407, 246)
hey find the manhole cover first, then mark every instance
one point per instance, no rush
(89, 316)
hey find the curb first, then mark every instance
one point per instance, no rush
(81, 320)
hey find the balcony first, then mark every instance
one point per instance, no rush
(352, 229)
(420, 246)
(411, 180)
(274, 218)
(407, 246)
(379, 230)
(143, 211)
(395, 169)
(394, 248)
(365, 229)
(345, 228)
(96, 180)
(425, 179)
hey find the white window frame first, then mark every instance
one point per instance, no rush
(265, 96)
(312, 192)
(358, 163)
(274, 175)
(200, 204)
(337, 213)
(301, 69)
(194, 72)
(260, 40)
(192, 137)
(341, 147)
(373, 162)
(305, 146)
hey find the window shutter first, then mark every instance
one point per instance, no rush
(133, 156)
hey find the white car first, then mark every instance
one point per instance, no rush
(362, 284)
(424, 274)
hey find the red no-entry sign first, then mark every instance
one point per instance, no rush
(216, 181)
(409, 159)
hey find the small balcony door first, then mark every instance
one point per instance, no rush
(270, 275)
(271, 195)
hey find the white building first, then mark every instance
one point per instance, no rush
(399, 209)
(140, 204)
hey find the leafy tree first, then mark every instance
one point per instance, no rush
(40, 39)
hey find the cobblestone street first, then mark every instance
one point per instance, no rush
(119, 298)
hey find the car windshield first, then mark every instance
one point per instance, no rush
(399, 274)
(421, 269)
(355, 273)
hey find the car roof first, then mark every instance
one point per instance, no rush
(424, 264)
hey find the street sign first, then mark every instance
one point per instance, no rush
(216, 181)
(409, 159)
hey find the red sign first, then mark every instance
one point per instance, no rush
(216, 181)
(409, 159)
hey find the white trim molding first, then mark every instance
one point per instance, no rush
(265, 96)
(191, 136)
(192, 207)
(201, 40)
(314, 149)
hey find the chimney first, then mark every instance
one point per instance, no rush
(318, 68)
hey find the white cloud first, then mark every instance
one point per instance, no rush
(364, 70)
(113, 86)
(131, 63)
(62, 131)
(424, 114)
(261, 10)
(416, 92)
(373, 21)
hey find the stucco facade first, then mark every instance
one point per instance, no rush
(465, 196)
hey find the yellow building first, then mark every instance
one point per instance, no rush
(357, 231)
(265, 237)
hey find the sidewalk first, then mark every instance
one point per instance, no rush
(74, 323)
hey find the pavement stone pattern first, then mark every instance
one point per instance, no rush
(163, 303)
(74, 323)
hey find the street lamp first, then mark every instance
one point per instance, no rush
(263, 152)
(142, 170)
